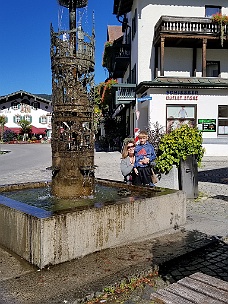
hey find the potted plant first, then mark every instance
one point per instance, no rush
(222, 20)
(107, 56)
(180, 147)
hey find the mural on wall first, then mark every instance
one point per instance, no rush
(25, 108)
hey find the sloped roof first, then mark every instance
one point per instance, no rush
(17, 94)
(197, 82)
(114, 32)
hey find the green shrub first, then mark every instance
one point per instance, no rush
(177, 145)
(9, 135)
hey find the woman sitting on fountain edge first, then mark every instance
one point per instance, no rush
(127, 161)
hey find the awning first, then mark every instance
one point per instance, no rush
(118, 110)
(36, 130)
(15, 130)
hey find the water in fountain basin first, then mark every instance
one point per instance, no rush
(42, 198)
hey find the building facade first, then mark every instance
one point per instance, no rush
(178, 62)
(23, 105)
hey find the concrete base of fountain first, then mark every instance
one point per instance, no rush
(43, 238)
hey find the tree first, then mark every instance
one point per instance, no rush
(2, 124)
(98, 115)
(102, 101)
(25, 125)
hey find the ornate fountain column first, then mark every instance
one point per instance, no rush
(72, 63)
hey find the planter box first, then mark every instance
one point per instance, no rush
(170, 180)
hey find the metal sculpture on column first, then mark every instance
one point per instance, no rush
(72, 63)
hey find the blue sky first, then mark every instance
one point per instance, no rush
(25, 41)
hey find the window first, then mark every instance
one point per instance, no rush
(223, 120)
(133, 25)
(43, 119)
(133, 74)
(213, 68)
(27, 118)
(15, 105)
(211, 10)
(17, 118)
(180, 114)
(25, 101)
(36, 105)
(49, 117)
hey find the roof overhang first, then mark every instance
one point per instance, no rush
(122, 7)
(185, 82)
(118, 110)
(21, 94)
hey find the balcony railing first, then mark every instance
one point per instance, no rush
(120, 60)
(125, 93)
(116, 59)
(188, 26)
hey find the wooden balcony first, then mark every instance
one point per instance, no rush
(189, 32)
(125, 93)
(117, 59)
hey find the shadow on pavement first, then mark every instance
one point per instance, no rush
(219, 176)
(211, 260)
(221, 197)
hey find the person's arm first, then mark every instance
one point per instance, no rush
(125, 166)
(136, 158)
(151, 154)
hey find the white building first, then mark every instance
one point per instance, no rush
(23, 105)
(178, 59)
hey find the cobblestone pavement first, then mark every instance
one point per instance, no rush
(208, 215)
(212, 260)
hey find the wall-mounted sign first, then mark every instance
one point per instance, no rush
(182, 95)
(207, 125)
(144, 98)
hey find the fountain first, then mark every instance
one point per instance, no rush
(45, 237)
(72, 61)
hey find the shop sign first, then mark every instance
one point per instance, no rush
(182, 95)
(207, 125)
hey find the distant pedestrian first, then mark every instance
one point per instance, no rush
(144, 156)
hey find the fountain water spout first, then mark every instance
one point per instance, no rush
(55, 171)
(87, 170)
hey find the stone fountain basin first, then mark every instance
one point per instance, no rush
(44, 238)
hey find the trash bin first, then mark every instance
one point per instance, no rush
(188, 176)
